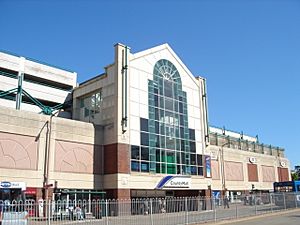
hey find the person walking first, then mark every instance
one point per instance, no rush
(1, 212)
(226, 202)
(78, 213)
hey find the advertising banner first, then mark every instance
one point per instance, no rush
(208, 166)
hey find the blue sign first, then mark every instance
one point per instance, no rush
(5, 184)
(208, 166)
(216, 194)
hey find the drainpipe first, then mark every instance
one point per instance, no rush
(124, 88)
(204, 100)
(20, 81)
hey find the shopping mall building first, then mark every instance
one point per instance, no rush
(140, 129)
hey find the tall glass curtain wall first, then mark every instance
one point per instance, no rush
(167, 144)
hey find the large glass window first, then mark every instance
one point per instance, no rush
(90, 105)
(167, 143)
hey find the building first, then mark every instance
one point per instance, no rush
(43, 86)
(140, 129)
(240, 164)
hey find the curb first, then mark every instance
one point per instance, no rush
(228, 221)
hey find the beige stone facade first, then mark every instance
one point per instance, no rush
(127, 138)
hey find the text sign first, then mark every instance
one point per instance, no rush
(174, 182)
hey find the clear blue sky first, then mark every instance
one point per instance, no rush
(249, 51)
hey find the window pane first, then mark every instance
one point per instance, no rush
(144, 153)
(199, 160)
(168, 104)
(200, 171)
(193, 170)
(192, 146)
(179, 169)
(135, 166)
(161, 102)
(135, 152)
(86, 112)
(145, 166)
(171, 169)
(144, 124)
(156, 100)
(168, 88)
(156, 127)
(192, 134)
(193, 159)
(158, 155)
(158, 170)
(170, 157)
(180, 107)
(145, 139)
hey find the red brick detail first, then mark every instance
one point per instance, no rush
(252, 172)
(283, 174)
(123, 158)
(116, 158)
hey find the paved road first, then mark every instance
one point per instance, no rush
(291, 218)
(179, 218)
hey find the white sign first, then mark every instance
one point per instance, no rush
(15, 185)
(171, 182)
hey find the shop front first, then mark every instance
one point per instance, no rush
(12, 191)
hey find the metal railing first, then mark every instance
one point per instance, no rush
(245, 145)
(148, 211)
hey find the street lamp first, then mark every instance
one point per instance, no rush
(46, 184)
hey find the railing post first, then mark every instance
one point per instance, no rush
(284, 200)
(186, 211)
(236, 210)
(215, 210)
(271, 203)
(106, 211)
(49, 212)
(151, 212)
(255, 204)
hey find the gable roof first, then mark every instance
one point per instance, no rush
(170, 50)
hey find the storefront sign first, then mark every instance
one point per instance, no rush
(208, 166)
(5, 184)
(30, 191)
(13, 185)
(170, 182)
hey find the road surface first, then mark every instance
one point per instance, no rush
(286, 218)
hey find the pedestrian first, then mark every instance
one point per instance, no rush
(83, 211)
(71, 212)
(78, 212)
(146, 207)
(226, 202)
(1, 212)
(98, 211)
